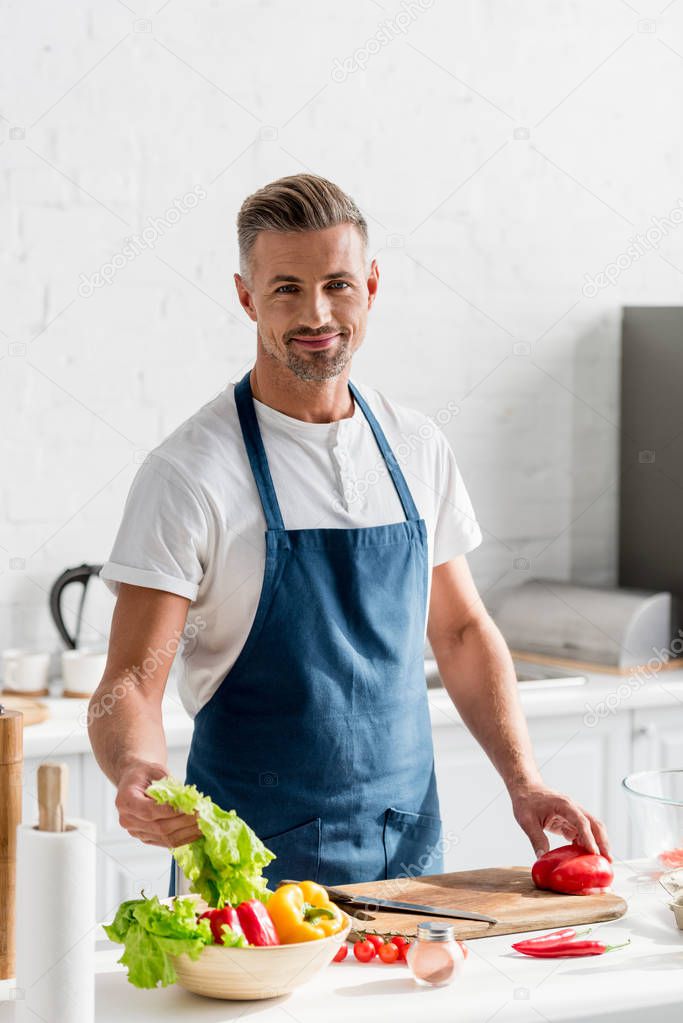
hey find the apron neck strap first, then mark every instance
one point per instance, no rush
(258, 461)
(257, 453)
(397, 476)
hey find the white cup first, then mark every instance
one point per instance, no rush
(25, 671)
(82, 669)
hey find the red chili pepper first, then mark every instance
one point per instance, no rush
(218, 918)
(258, 928)
(552, 938)
(568, 948)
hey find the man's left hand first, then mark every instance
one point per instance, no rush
(538, 809)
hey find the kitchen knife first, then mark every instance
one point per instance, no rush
(367, 902)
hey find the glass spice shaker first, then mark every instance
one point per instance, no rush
(435, 958)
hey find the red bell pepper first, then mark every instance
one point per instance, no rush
(257, 926)
(572, 870)
(584, 875)
(219, 918)
(546, 864)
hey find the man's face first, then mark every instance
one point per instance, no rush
(310, 295)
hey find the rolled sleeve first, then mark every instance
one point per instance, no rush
(163, 536)
(457, 530)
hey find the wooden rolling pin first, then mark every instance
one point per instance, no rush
(11, 765)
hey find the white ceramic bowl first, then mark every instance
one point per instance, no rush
(257, 972)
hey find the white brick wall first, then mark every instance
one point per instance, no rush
(501, 152)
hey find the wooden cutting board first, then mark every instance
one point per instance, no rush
(33, 711)
(506, 893)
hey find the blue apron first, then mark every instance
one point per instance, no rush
(319, 736)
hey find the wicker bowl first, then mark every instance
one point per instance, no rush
(251, 973)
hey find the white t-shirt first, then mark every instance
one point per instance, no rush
(193, 522)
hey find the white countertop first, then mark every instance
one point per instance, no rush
(603, 694)
(643, 980)
(66, 730)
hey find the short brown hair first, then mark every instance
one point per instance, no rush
(300, 202)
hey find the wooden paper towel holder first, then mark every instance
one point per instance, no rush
(53, 782)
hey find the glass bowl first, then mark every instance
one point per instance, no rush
(656, 803)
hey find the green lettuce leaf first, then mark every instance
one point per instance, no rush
(152, 932)
(231, 939)
(225, 865)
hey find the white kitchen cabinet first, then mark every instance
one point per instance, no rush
(126, 866)
(125, 870)
(586, 763)
(657, 738)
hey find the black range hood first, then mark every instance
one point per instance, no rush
(651, 455)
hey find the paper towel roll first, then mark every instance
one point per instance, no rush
(56, 924)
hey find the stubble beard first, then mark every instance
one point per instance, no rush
(316, 366)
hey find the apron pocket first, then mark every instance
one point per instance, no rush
(297, 851)
(412, 843)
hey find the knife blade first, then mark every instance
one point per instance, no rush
(366, 902)
(414, 907)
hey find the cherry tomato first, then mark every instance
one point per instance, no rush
(399, 940)
(388, 953)
(341, 954)
(403, 951)
(364, 951)
(376, 940)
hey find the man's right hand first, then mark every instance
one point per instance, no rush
(152, 823)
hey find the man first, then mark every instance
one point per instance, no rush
(315, 561)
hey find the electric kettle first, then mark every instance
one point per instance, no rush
(82, 575)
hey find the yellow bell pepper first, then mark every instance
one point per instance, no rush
(303, 912)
